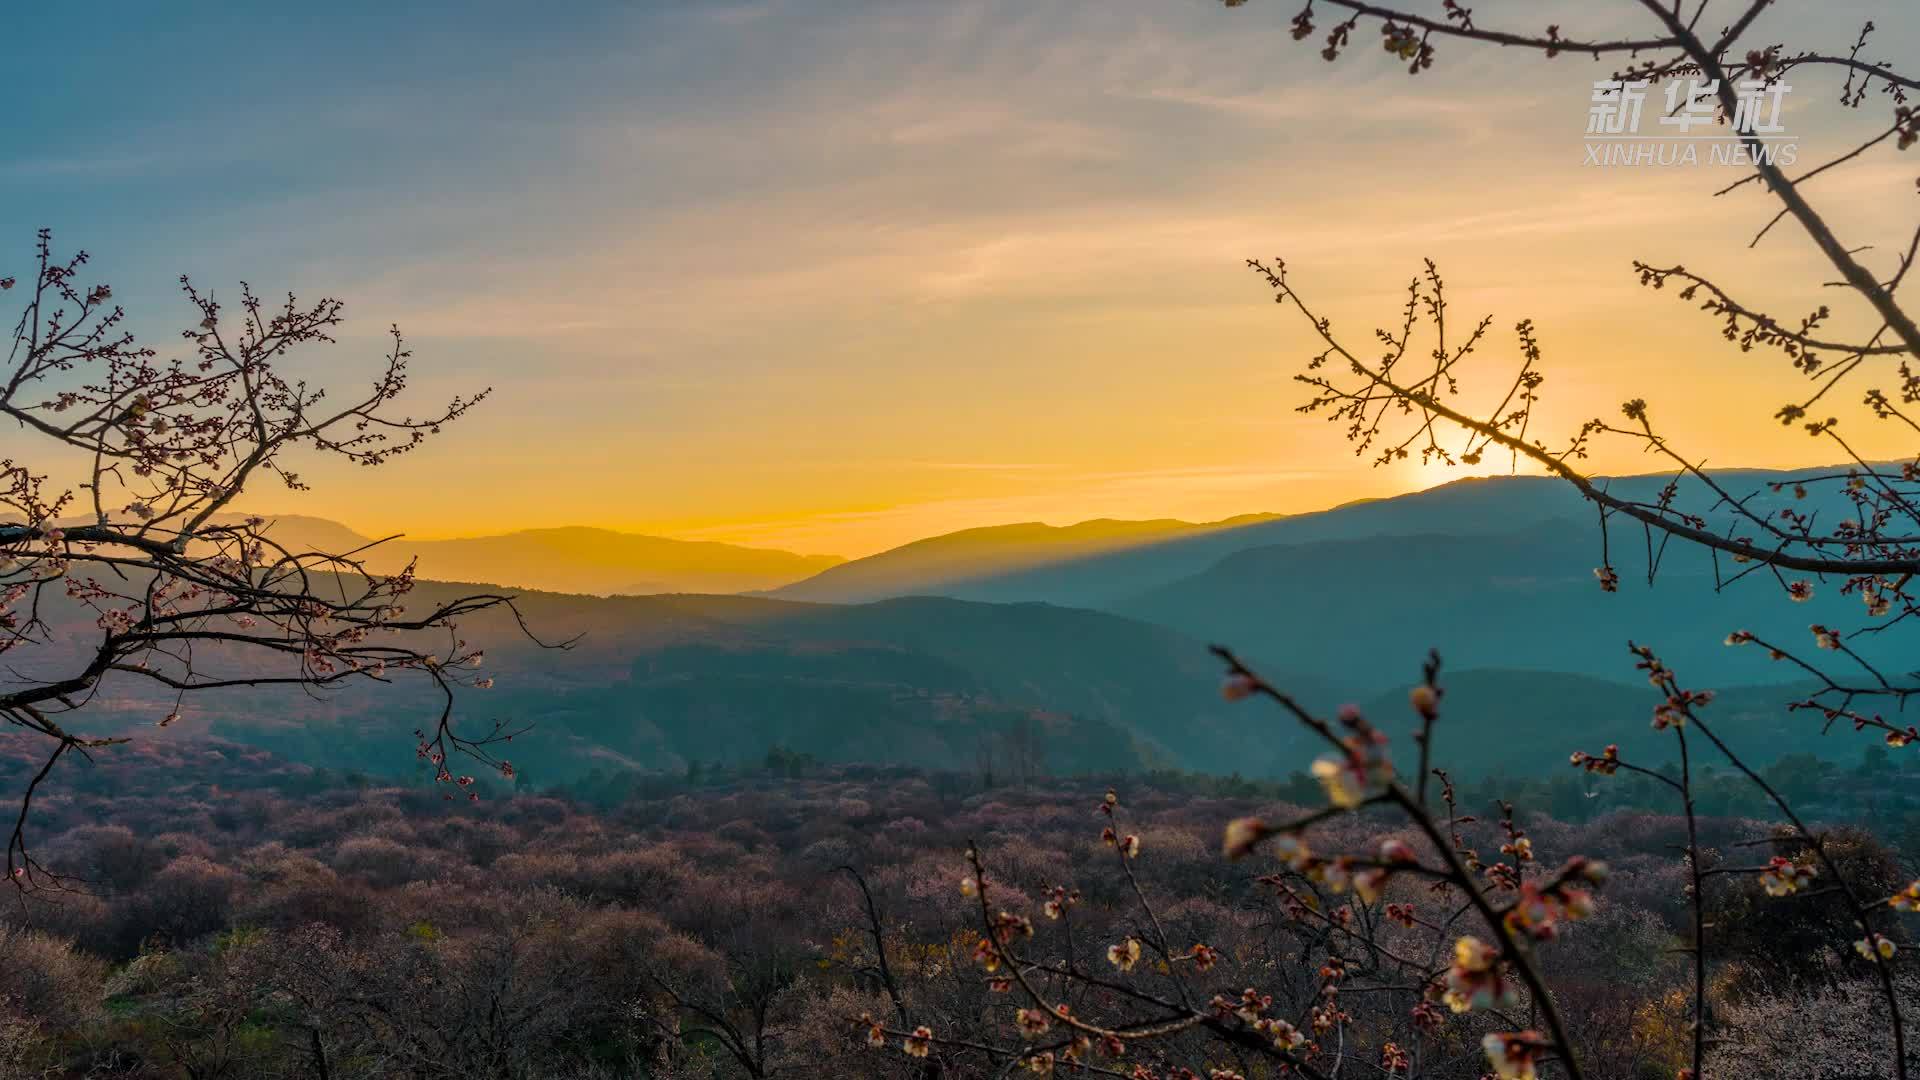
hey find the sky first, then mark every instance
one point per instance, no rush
(832, 276)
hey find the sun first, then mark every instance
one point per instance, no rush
(1420, 475)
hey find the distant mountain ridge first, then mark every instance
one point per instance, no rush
(569, 559)
(1082, 646)
(1103, 565)
(656, 682)
(960, 563)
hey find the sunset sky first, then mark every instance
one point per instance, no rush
(832, 276)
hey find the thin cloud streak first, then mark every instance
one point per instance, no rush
(776, 264)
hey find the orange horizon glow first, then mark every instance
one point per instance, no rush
(953, 267)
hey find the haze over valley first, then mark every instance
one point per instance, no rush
(1085, 644)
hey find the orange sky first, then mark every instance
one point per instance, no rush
(864, 274)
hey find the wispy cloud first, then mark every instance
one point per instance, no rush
(717, 255)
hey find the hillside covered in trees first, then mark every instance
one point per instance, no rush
(1508, 685)
(247, 916)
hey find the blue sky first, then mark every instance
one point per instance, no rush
(834, 275)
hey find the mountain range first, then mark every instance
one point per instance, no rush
(1082, 647)
(1066, 564)
(1076, 565)
(1106, 564)
(571, 559)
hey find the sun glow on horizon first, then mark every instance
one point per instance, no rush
(993, 273)
(1419, 475)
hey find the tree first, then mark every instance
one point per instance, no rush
(120, 535)
(1399, 392)
(1408, 399)
(1801, 943)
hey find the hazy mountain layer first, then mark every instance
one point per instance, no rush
(573, 559)
(1073, 564)
(657, 682)
(1342, 606)
(1351, 609)
(1103, 564)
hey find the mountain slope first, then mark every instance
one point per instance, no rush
(1114, 688)
(659, 682)
(1039, 562)
(996, 560)
(573, 559)
(1522, 599)
(656, 682)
